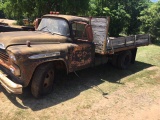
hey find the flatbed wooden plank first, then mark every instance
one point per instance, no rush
(103, 45)
(129, 41)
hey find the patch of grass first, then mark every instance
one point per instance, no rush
(19, 112)
(144, 77)
(109, 87)
(85, 106)
(149, 54)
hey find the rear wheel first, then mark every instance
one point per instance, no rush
(114, 60)
(124, 59)
(42, 81)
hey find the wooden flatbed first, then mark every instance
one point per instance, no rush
(109, 45)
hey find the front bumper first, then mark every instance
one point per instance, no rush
(9, 85)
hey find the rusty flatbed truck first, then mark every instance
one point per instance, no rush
(60, 43)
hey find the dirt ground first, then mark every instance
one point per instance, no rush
(89, 97)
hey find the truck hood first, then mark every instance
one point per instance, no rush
(35, 37)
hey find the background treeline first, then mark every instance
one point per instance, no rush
(127, 16)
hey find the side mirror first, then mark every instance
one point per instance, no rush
(36, 22)
(89, 32)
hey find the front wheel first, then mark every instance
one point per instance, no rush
(42, 81)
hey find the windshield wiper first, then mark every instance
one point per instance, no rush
(47, 30)
(43, 28)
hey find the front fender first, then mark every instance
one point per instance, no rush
(28, 67)
(28, 58)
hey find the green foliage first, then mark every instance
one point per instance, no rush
(119, 18)
(1, 11)
(150, 19)
(124, 14)
(98, 8)
(133, 8)
(19, 9)
(1, 5)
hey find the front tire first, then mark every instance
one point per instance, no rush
(42, 81)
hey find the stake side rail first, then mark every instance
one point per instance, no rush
(126, 43)
(109, 45)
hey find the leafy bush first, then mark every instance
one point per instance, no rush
(150, 19)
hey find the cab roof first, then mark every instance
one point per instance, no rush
(69, 18)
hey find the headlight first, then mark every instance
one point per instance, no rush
(12, 57)
(2, 46)
(15, 70)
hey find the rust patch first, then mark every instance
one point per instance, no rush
(80, 57)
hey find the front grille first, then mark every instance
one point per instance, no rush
(4, 56)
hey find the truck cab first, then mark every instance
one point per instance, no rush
(79, 35)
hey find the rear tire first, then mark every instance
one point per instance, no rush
(124, 59)
(114, 60)
(42, 81)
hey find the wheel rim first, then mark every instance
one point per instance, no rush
(48, 79)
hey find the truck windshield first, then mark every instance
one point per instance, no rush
(54, 26)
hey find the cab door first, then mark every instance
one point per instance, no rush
(82, 55)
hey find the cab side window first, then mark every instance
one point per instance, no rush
(79, 32)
